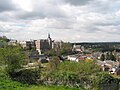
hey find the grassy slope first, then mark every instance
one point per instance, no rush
(6, 84)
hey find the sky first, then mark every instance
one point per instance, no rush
(67, 20)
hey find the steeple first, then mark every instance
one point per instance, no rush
(48, 35)
(50, 41)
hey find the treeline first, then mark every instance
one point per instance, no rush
(4, 38)
(64, 49)
(101, 46)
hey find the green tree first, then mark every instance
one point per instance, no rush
(74, 73)
(13, 57)
(53, 63)
(103, 80)
(102, 57)
(51, 52)
(112, 57)
(107, 56)
(66, 48)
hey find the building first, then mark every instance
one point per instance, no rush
(73, 58)
(43, 44)
(76, 57)
(56, 44)
(76, 48)
(27, 44)
(12, 42)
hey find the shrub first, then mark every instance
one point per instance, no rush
(74, 74)
(104, 80)
(30, 76)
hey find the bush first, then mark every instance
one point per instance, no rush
(74, 74)
(104, 80)
(30, 76)
(12, 57)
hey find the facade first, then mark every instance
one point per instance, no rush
(12, 42)
(76, 48)
(56, 44)
(27, 44)
(43, 44)
(76, 57)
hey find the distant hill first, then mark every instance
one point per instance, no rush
(102, 46)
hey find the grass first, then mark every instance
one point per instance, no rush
(49, 88)
(13, 85)
(7, 84)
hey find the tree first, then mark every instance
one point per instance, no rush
(102, 57)
(74, 73)
(107, 56)
(103, 81)
(13, 57)
(50, 52)
(112, 57)
(53, 63)
(66, 48)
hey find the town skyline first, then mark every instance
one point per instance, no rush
(67, 20)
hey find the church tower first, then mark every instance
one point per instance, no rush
(50, 41)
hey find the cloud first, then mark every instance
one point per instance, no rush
(78, 2)
(42, 9)
(69, 20)
(6, 5)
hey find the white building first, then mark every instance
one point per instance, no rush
(73, 58)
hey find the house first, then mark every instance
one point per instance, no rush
(76, 48)
(76, 57)
(12, 42)
(43, 59)
(115, 70)
(111, 66)
(73, 58)
(105, 65)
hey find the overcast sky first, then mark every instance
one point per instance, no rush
(67, 20)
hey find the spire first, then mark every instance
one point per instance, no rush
(48, 35)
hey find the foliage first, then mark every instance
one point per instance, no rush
(51, 52)
(7, 84)
(108, 56)
(3, 43)
(112, 57)
(66, 48)
(29, 76)
(75, 74)
(102, 57)
(4, 38)
(89, 60)
(51, 88)
(103, 78)
(83, 67)
(53, 63)
(13, 58)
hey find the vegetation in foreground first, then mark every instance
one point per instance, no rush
(71, 74)
(7, 84)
